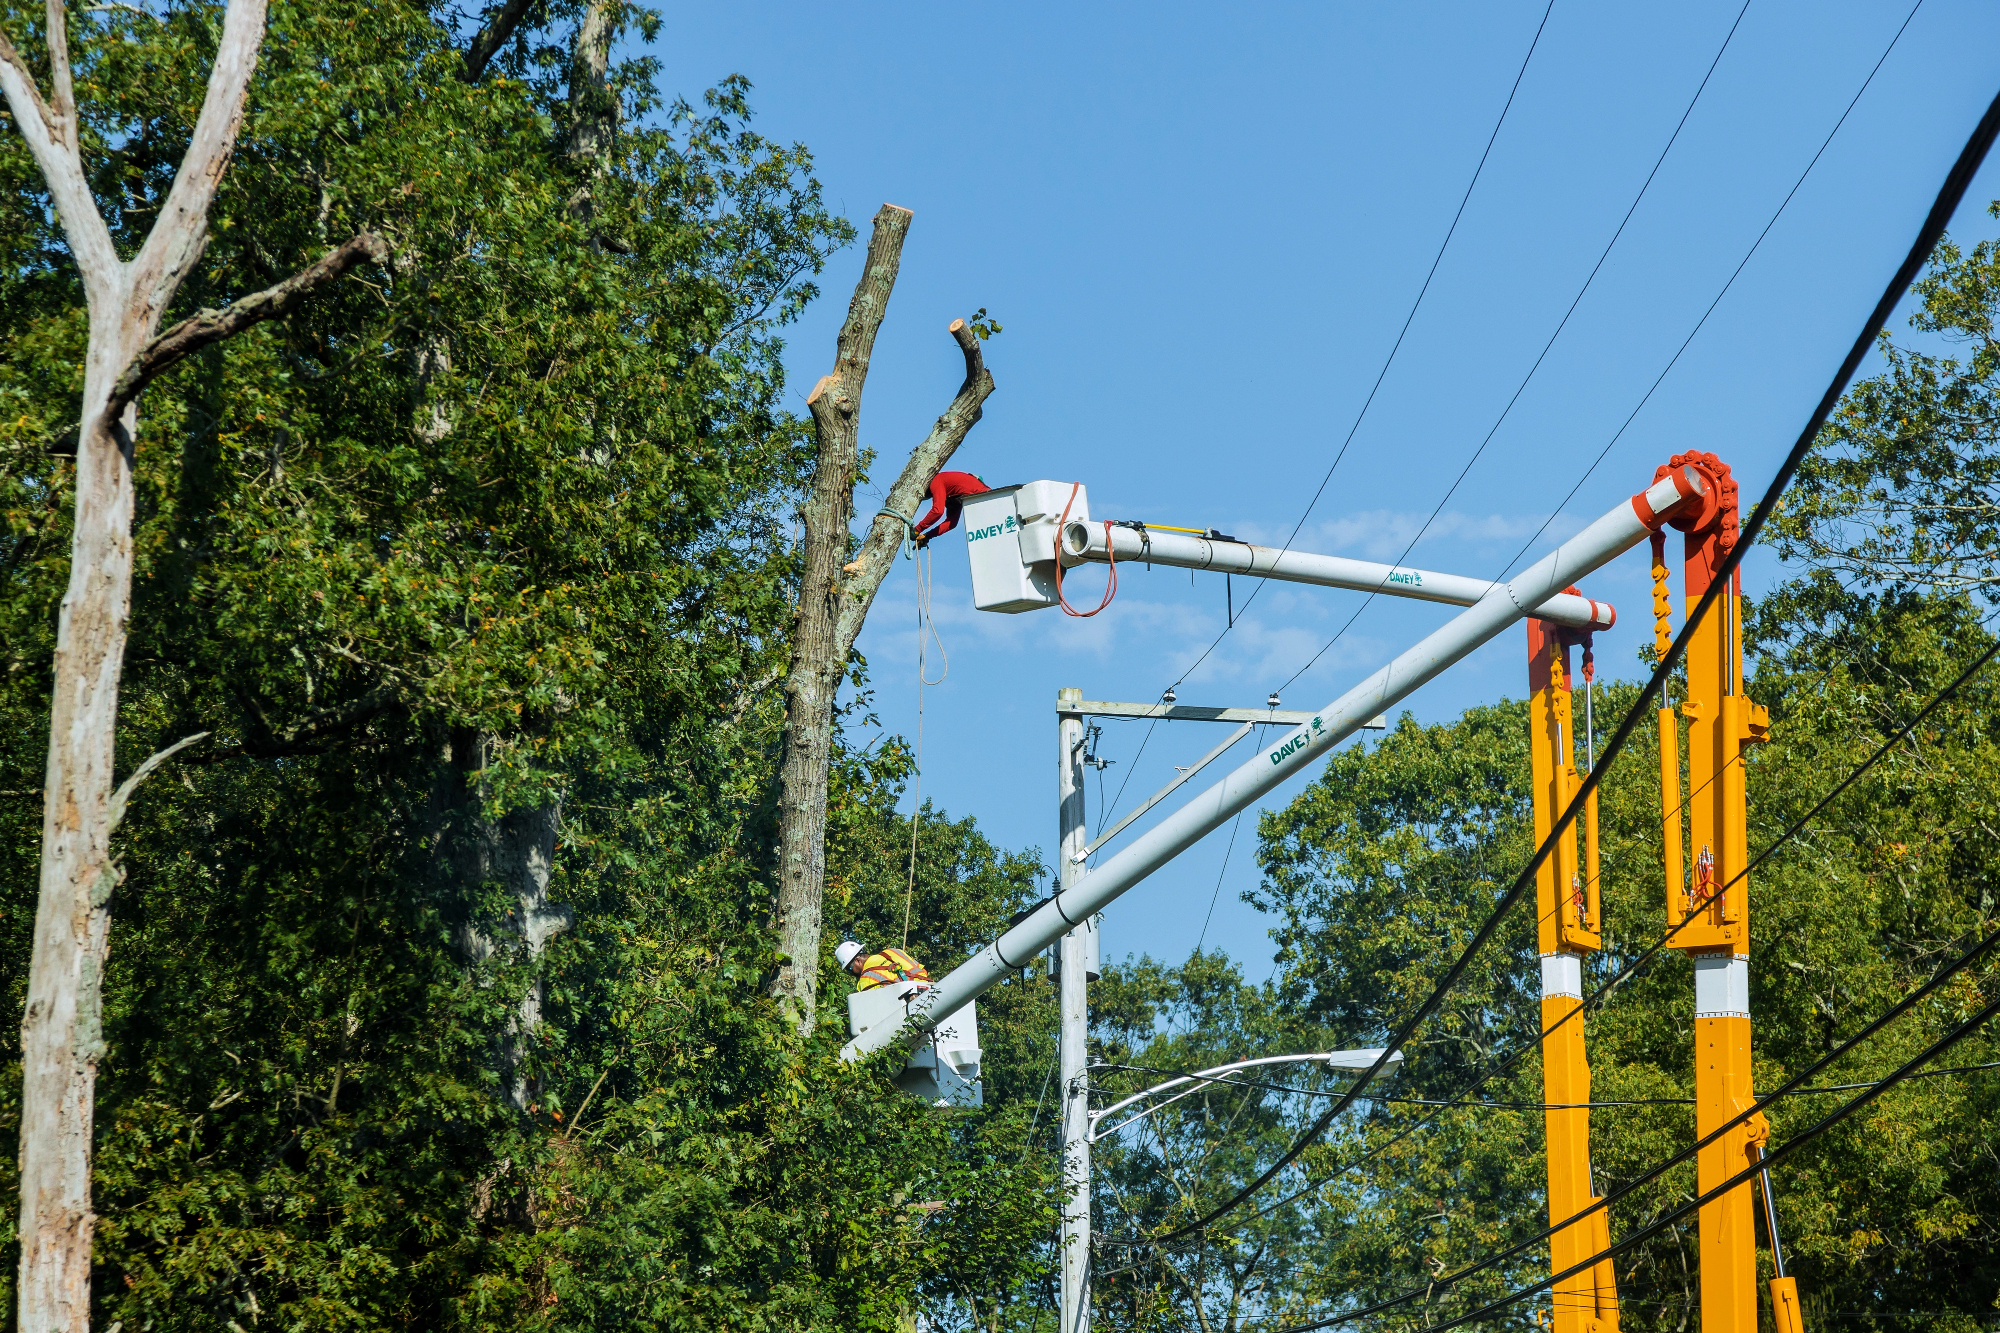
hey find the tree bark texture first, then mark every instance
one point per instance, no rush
(62, 1035)
(518, 851)
(494, 34)
(834, 601)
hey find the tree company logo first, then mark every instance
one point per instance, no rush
(1000, 529)
(1409, 578)
(1298, 742)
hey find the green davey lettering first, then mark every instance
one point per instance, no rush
(1000, 529)
(1298, 742)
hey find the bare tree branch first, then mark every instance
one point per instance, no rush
(49, 136)
(146, 770)
(178, 237)
(64, 103)
(212, 326)
(21, 90)
(885, 535)
(62, 1035)
(492, 37)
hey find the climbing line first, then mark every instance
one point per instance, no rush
(925, 626)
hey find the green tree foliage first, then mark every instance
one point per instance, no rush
(1198, 1145)
(1904, 484)
(1378, 873)
(503, 526)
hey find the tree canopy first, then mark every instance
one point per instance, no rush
(503, 530)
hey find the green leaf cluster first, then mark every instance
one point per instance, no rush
(501, 526)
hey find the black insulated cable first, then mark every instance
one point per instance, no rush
(1907, 1070)
(1949, 195)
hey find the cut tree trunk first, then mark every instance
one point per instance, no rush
(834, 595)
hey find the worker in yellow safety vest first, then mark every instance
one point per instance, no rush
(884, 967)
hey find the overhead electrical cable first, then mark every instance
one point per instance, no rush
(1591, 1002)
(1736, 273)
(1956, 182)
(1771, 1158)
(1408, 319)
(1234, 1081)
(1597, 997)
(1561, 324)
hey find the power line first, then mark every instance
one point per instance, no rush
(1408, 319)
(1508, 1105)
(1699, 324)
(1561, 324)
(1946, 203)
(1591, 1002)
(1873, 1091)
(1771, 1158)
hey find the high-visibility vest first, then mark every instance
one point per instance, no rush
(886, 967)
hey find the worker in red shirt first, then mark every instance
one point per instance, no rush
(948, 492)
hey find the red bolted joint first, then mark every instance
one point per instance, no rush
(1711, 526)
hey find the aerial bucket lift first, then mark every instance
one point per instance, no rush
(944, 1068)
(1568, 925)
(1711, 914)
(1010, 574)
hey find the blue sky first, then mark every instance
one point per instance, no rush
(1202, 228)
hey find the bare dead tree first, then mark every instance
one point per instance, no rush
(62, 1031)
(834, 600)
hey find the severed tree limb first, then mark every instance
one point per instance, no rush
(832, 610)
(123, 795)
(886, 533)
(492, 37)
(211, 326)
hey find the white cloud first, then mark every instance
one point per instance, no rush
(1384, 534)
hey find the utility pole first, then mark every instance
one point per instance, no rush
(1075, 1023)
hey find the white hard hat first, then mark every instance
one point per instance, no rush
(847, 952)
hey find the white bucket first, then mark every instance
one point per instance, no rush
(1010, 537)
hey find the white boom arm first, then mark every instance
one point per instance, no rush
(1506, 604)
(1089, 542)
